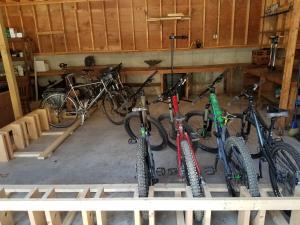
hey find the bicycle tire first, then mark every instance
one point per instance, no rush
(192, 177)
(292, 163)
(153, 122)
(59, 101)
(171, 132)
(249, 178)
(203, 143)
(114, 107)
(142, 173)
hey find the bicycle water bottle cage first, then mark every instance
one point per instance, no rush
(274, 112)
(139, 109)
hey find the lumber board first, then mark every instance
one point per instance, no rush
(4, 155)
(52, 147)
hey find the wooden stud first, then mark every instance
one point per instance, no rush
(87, 216)
(175, 23)
(9, 71)
(7, 145)
(190, 25)
(52, 217)
(21, 18)
(161, 24)
(36, 217)
(62, 17)
(151, 213)
(8, 22)
(91, 25)
(203, 23)
(207, 214)
(52, 147)
(76, 24)
(244, 216)
(137, 213)
(132, 24)
(289, 61)
(50, 27)
(100, 215)
(232, 22)
(146, 23)
(5, 217)
(262, 23)
(119, 27)
(189, 214)
(218, 24)
(105, 31)
(36, 27)
(247, 22)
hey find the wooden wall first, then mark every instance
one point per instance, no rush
(74, 26)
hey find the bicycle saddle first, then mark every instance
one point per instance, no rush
(274, 112)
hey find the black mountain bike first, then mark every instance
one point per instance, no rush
(231, 151)
(133, 121)
(282, 158)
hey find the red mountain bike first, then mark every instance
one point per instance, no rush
(175, 126)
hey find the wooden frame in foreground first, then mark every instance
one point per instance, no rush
(44, 203)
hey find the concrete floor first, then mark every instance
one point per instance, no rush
(98, 153)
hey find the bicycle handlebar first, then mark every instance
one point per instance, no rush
(217, 80)
(173, 90)
(146, 82)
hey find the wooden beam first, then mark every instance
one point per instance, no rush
(247, 22)
(119, 26)
(50, 27)
(289, 60)
(21, 18)
(232, 22)
(203, 25)
(62, 16)
(91, 25)
(132, 24)
(218, 25)
(104, 20)
(36, 27)
(76, 25)
(161, 24)
(9, 71)
(146, 23)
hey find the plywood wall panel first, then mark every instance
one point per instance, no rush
(211, 21)
(239, 22)
(154, 27)
(84, 27)
(140, 24)
(125, 25)
(196, 32)
(121, 25)
(168, 27)
(70, 28)
(112, 25)
(225, 26)
(99, 28)
(182, 26)
(254, 21)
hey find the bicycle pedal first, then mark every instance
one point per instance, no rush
(132, 141)
(172, 171)
(209, 170)
(160, 171)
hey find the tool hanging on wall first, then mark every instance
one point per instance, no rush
(273, 51)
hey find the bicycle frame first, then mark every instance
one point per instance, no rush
(98, 96)
(220, 129)
(181, 134)
(264, 134)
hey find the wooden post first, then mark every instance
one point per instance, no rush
(289, 61)
(9, 71)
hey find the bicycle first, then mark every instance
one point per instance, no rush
(231, 151)
(158, 141)
(67, 106)
(188, 166)
(283, 160)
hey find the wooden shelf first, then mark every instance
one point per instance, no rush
(270, 97)
(16, 39)
(15, 59)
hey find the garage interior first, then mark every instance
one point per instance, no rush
(66, 156)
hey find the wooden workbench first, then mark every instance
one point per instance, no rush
(269, 80)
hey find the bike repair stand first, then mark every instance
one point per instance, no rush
(172, 38)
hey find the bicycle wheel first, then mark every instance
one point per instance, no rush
(114, 106)
(142, 171)
(63, 110)
(171, 132)
(240, 163)
(207, 140)
(158, 138)
(192, 177)
(287, 165)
